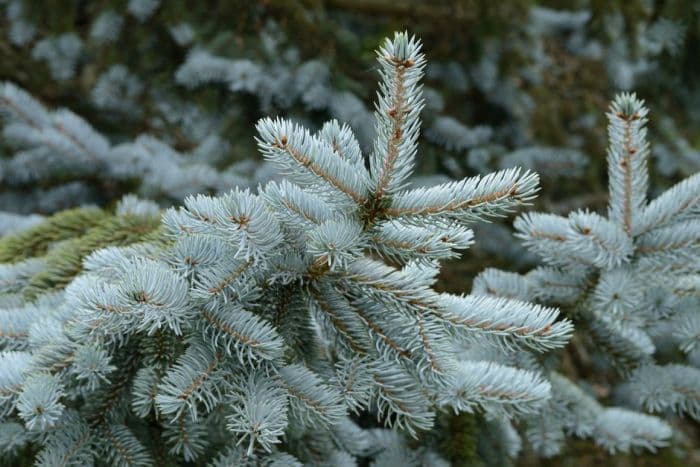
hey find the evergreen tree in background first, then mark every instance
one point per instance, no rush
(198, 77)
(165, 95)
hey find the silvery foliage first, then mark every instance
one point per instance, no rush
(21, 31)
(552, 162)
(117, 89)
(61, 54)
(59, 144)
(631, 59)
(49, 172)
(455, 136)
(279, 80)
(142, 9)
(508, 93)
(630, 282)
(676, 154)
(106, 27)
(275, 316)
(34, 199)
(11, 222)
(182, 33)
(631, 53)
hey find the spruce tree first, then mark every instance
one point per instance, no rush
(628, 281)
(262, 327)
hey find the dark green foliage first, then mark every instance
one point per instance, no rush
(64, 261)
(460, 438)
(62, 226)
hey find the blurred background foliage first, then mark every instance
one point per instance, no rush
(535, 73)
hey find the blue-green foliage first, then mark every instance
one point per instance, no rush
(270, 318)
(629, 281)
(271, 321)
